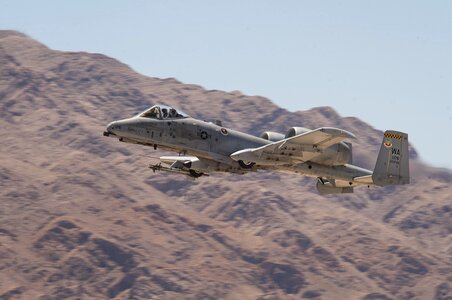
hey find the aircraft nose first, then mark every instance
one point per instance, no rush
(110, 130)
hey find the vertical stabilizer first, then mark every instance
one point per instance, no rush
(392, 165)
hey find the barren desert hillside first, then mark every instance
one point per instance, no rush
(82, 216)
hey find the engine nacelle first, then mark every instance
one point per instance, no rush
(296, 131)
(326, 188)
(272, 136)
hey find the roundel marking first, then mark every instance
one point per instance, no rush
(224, 131)
(204, 135)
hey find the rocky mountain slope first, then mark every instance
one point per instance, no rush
(82, 217)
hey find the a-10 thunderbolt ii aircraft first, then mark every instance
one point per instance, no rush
(206, 147)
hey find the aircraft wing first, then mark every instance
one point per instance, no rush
(302, 147)
(177, 161)
(321, 138)
(180, 165)
(194, 166)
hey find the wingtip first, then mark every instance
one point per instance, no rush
(350, 135)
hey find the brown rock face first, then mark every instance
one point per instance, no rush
(82, 217)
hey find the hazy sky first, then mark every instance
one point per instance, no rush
(386, 62)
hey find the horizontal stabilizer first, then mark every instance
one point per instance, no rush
(367, 179)
(327, 188)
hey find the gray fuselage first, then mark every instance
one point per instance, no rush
(186, 135)
(206, 147)
(207, 140)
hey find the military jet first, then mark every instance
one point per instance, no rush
(204, 147)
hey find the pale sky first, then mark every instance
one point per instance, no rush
(388, 63)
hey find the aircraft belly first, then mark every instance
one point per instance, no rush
(344, 173)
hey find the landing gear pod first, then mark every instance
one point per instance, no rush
(246, 165)
(195, 174)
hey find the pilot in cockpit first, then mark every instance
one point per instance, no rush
(164, 113)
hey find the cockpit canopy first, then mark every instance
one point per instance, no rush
(161, 112)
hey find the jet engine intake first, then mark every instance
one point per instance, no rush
(296, 131)
(272, 136)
